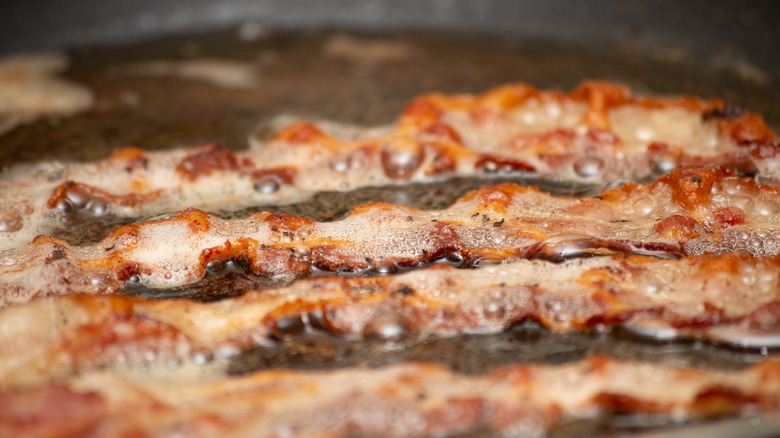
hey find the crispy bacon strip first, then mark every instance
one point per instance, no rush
(690, 211)
(598, 133)
(412, 399)
(692, 296)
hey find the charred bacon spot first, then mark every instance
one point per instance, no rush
(58, 253)
(203, 163)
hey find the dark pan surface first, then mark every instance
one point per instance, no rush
(296, 77)
(723, 30)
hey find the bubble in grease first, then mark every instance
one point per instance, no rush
(497, 237)
(757, 242)
(654, 330)
(744, 338)
(494, 310)
(563, 247)
(78, 198)
(664, 164)
(588, 166)
(267, 186)
(741, 201)
(289, 326)
(401, 157)
(200, 356)
(766, 207)
(10, 221)
(388, 327)
(98, 207)
(228, 349)
(734, 186)
(644, 206)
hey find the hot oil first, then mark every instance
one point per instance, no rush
(298, 76)
(434, 195)
(305, 343)
(229, 280)
(84, 225)
(233, 278)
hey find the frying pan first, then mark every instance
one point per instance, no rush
(710, 49)
(748, 30)
(707, 48)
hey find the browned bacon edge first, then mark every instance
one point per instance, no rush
(423, 118)
(413, 399)
(690, 211)
(695, 297)
(302, 159)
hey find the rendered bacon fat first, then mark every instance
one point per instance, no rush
(73, 364)
(690, 211)
(55, 336)
(413, 399)
(596, 134)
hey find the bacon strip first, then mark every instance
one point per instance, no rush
(690, 297)
(596, 134)
(690, 211)
(413, 399)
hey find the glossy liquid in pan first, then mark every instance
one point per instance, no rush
(298, 76)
